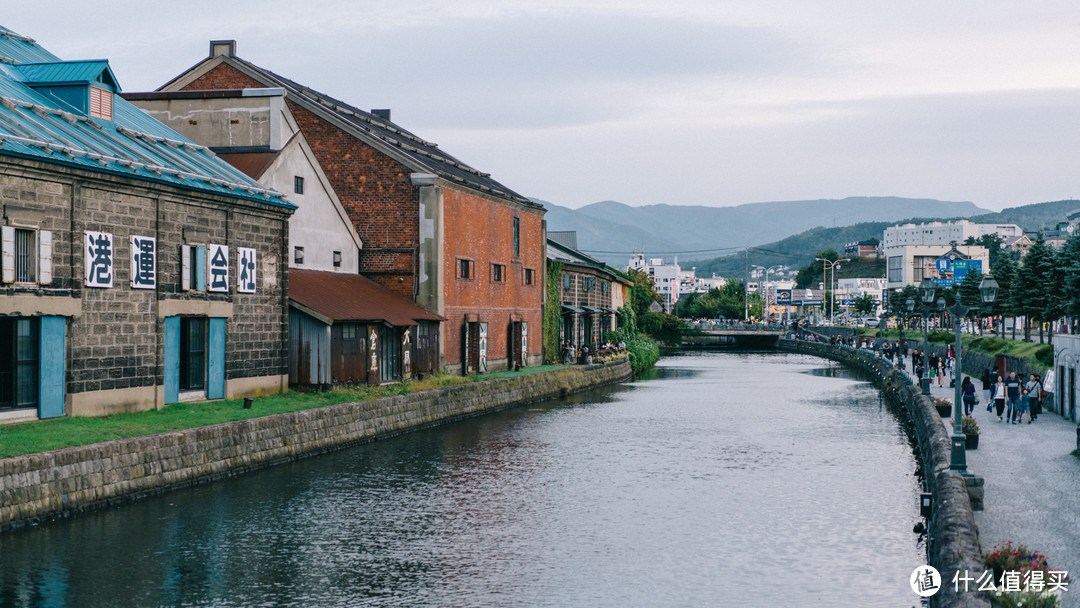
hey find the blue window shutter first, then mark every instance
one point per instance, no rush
(215, 362)
(172, 359)
(51, 377)
(200, 268)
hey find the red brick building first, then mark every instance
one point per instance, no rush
(434, 230)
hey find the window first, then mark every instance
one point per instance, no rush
(498, 273)
(298, 255)
(567, 281)
(517, 237)
(25, 252)
(337, 259)
(348, 331)
(465, 269)
(26, 255)
(193, 267)
(298, 184)
(605, 286)
(529, 276)
(100, 103)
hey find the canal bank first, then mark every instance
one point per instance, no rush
(58, 483)
(953, 539)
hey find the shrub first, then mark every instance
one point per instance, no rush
(1045, 355)
(970, 427)
(991, 345)
(941, 336)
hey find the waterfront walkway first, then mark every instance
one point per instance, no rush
(1032, 485)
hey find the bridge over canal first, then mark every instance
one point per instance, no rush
(749, 337)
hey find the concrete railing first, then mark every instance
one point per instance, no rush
(953, 544)
(61, 482)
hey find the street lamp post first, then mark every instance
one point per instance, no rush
(988, 289)
(826, 266)
(927, 291)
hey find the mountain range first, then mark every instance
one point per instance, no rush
(611, 231)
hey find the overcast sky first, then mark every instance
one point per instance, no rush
(706, 102)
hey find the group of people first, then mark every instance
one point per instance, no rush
(572, 354)
(1011, 397)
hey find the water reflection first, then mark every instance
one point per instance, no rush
(727, 479)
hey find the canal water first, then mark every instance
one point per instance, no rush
(724, 479)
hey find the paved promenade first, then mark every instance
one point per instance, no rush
(1032, 486)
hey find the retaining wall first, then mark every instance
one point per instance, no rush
(61, 482)
(953, 537)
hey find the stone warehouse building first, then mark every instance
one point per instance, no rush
(434, 230)
(137, 268)
(590, 293)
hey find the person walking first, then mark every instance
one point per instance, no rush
(1035, 389)
(1000, 393)
(1023, 407)
(1012, 386)
(987, 388)
(967, 392)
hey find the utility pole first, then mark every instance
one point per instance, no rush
(746, 288)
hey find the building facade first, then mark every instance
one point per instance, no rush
(434, 230)
(941, 234)
(138, 270)
(910, 264)
(590, 296)
(665, 277)
(254, 130)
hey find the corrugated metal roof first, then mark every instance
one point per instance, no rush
(351, 297)
(95, 71)
(20, 49)
(423, 154)
(132, 144)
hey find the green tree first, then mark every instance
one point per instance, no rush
(1004, 272)
(1069, 266)
(992, 242)
(732, 301)
(1030, 288)
(642, 291)
(968, 291)
(865, 304)
(809, 275)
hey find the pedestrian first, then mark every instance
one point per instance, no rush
(1024, 407)
(1034, 388)
(967, 390)
(1012, 386)
(987, 386)
(999, 397)
(932, 366)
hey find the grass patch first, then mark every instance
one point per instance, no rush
(54, 434)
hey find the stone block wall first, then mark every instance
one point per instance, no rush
(61, 482)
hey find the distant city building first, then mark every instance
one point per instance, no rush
(942, 233)
(851, 289)
(909, 265)
(665, 276)
(863, 249)
(1018, 243)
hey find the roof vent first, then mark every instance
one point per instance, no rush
(383, 114)
(223, 47)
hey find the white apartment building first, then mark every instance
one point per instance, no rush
(943, 233)
(664, 276)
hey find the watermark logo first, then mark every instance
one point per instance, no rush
(925, 581)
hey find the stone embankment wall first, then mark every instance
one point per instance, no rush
(58, 483)
(954, 539)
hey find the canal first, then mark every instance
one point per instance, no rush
(724, 479)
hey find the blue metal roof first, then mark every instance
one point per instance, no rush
(132, 144)
(94, 71)
(20, 49)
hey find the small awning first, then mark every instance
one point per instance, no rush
(569, 308)
(590, 309)
(332, 296)
(612, 310)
